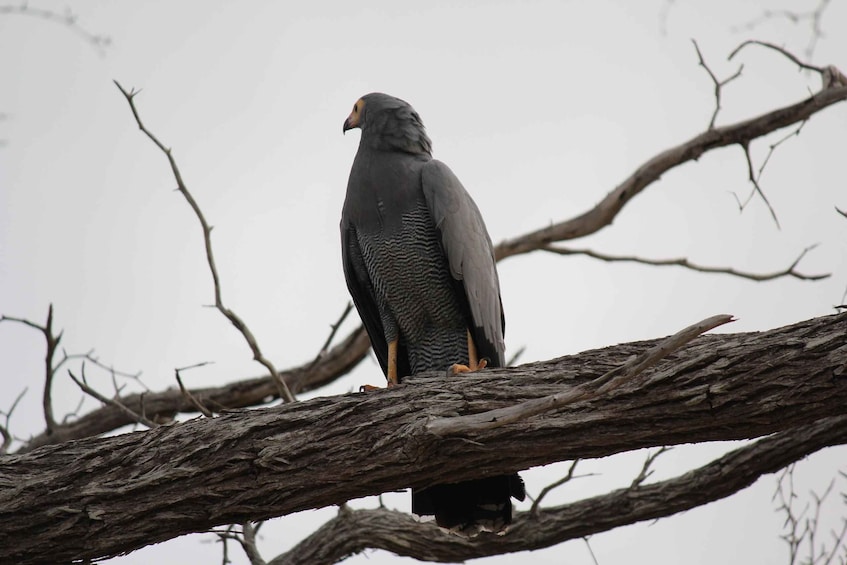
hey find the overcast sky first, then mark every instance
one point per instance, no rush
(540, 108)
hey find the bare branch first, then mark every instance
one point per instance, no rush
(356, 530)
(4, 428)
(370, 443)
(604, 212)
(608, 382)
(49, 369)
(164, 405)
(68, 19)
(248, 543)
(83, 385)
(719, 84)
(516, 356)
(790, 271)
(758, 189)
(790, 56)
(236, 321)
(813, 16)
(773, 146)
(334, 329)
(646, 471)
(567, 478)
(664, 13)
(590, 551)
(187, 393)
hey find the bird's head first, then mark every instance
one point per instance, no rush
(388, 123)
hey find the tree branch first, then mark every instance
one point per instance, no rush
(719, 84)
(352, 532)
(49, 369)
(608, 382)
(790, 271)
(652, 170)
(164, 405)
(68, 19)
(85, 499)
(230, 315)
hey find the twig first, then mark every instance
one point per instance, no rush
(4, 428)
(786, 505)
(236, 321)
(590, 551)
(140, 418)
(645, 469)
(790, 56)
(567, 478)
(814, 16)
(683, 262)
(664, 12)
(758, 189)
(248, 543)
(334, 330)
(49, 370)
(69, 19)
(187, 393)
(602, 385)
(517, 355)
(773, 146)
(719, 84)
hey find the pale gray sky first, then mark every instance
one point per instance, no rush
(540, 107)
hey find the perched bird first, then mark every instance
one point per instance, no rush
(420, 266)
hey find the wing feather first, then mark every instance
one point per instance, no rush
(362, 291)
(465, 242)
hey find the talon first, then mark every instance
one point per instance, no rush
(474, 364)
(458, 368)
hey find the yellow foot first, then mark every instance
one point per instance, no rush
(458, 368)
(369, 388)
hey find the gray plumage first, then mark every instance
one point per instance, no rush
(420, 266)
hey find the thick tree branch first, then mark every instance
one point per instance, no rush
(86, 499)
(604, 212)
(352, 532)
(611, 381)
(163, 406)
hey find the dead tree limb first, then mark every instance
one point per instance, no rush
(353, 531)
(604, 212)
(100, 497)
(164, 405)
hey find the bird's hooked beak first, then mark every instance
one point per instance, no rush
(354, 119)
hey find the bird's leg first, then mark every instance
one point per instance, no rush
(392, 368)
(474, 362)
(392, 363)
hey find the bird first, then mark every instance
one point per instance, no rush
(420, 267)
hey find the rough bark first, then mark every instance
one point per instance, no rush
(353, 531)
(100, 497)
(165, 405)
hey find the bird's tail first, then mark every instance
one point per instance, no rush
(470, 507)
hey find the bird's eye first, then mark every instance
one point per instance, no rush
(355, 107)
